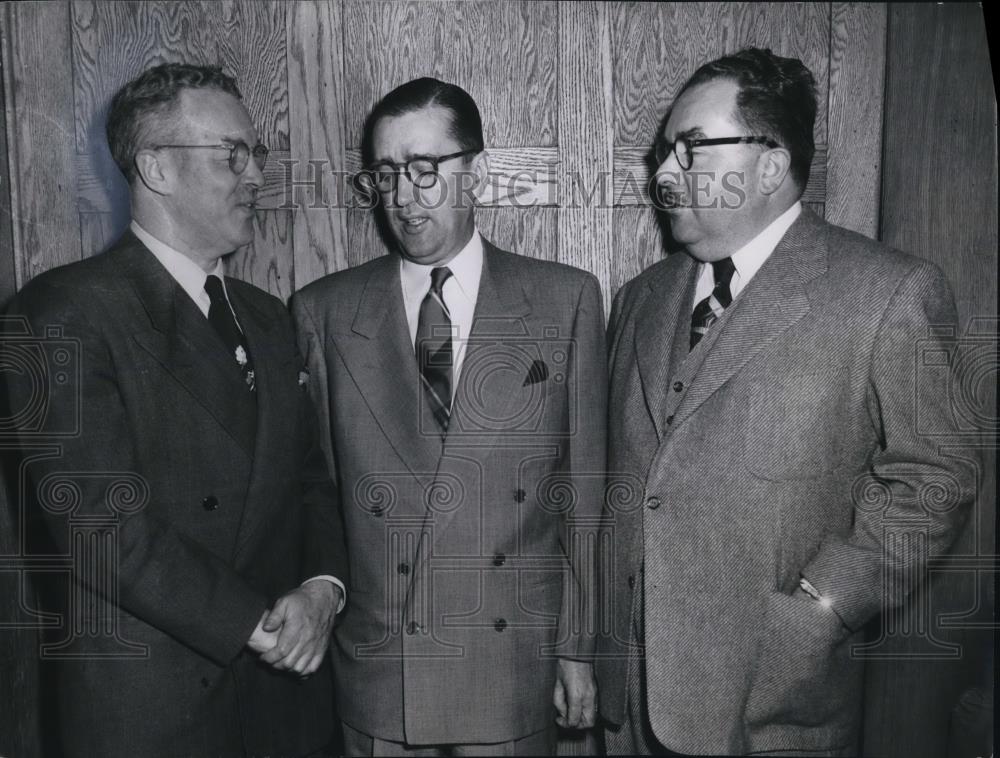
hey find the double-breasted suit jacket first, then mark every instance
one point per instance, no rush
(799, 438)
(470, 563)
(209, 504)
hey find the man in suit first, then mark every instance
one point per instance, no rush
(462, 397)
(182, 432)
(769, 406)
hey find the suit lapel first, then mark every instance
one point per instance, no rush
(181, 339)
(663, 321)
(277, 410)
(380, 358)
(773, 301)
(501, 306)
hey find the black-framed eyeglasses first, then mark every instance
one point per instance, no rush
(239, 153)
(682, 147)
(421, 170)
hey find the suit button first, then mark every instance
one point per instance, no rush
(499, 559)
(653, 503)
(631, 582)
(210, 503)
(670, 419)
(519, 496)
(403, 568)
(204, 682)
(412, 628)
(678, 386)
(500, 624)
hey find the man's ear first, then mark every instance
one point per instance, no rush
(481, 168)
(776, 163)
(153, 172)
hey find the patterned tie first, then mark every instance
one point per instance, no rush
(220, 316)
(433, 348)
(708, 310)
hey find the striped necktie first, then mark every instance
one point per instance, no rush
(708, 310)
(433, 348)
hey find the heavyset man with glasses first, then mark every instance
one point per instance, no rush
(189, 393)
(769, 399)
(462, 396)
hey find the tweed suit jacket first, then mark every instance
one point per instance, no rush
(804, 442)
(212, 508)
(469, 571)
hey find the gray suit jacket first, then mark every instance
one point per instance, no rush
(208, 510)
(471, 567)
(800, 437)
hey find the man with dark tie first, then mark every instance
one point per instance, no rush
(203, 624)
(461, 391)
(769, 406)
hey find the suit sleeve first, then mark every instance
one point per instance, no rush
(585, 464)
(162, 578)
(325, 542)
(912, 482)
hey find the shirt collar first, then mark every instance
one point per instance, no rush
(749, 258)
(188, 274)
(466, 269)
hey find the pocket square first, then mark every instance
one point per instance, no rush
(303, 378)
(538, 372)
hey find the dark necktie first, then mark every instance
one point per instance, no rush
(220, 316)
(433, 348)
(708, 310)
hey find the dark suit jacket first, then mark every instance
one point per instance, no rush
(470, 564)
(208, 509)
(801, 436)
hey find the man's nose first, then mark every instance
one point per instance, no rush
(253, 174)
(405, 191)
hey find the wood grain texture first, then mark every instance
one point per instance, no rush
(657, 46)
(316, 92)
(98, 231)
(504, 54)
(268, 261)
(857, 88)
(633, 174)
(7, 275)
(40, 134)
(640, 240)
(586, 146)
(525, 231)
(942, 205)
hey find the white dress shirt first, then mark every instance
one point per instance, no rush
(461, 291)
(192, 277)
(749, 258)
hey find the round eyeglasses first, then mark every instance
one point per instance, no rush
(239, 153)
(422, 171)
(682, 147)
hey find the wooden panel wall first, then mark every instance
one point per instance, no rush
(572, 95)
(939, 201)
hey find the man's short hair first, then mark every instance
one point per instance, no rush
(152, 96)
(466, 123)
(777, 99)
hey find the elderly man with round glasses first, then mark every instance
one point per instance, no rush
(209, 607)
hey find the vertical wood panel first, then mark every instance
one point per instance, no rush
(501, 53)
(7, 276)
(267, 262)
(316, 91)
(586, 138)
(857, 87)
(40, 98)
(941, 204)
